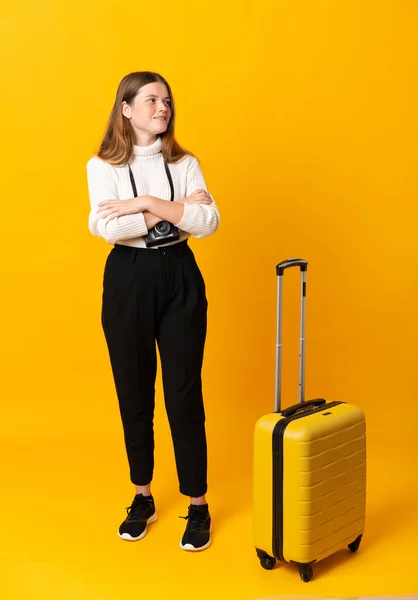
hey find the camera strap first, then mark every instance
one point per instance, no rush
(170, 181)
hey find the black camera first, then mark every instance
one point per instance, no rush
(162, 233)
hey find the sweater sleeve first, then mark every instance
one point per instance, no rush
(102, 186)
(200, 220)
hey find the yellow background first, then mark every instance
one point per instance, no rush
(304, 117)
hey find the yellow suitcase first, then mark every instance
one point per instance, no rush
(309, 483)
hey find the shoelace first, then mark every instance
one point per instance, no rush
(196, 521)
(137, 510)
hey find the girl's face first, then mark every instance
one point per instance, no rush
(150, 112)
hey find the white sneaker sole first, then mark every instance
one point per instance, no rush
(127, 537)
(191, 548)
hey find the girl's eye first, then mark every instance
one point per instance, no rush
(153, 100)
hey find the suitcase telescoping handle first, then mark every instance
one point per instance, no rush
(280, 269)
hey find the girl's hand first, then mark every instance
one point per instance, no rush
(118, 208)
(198, 197)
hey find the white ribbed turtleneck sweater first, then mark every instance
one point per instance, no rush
(107, 182)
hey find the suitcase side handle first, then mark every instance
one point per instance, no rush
(292, 410)
(280, 268)
(291, 262)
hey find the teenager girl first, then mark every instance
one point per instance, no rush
(147, 197)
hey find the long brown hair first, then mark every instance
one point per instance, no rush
(117, 147)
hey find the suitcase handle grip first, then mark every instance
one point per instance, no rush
(292, 410)
(291, 262)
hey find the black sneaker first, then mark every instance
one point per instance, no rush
(197, 534)
(140, 514)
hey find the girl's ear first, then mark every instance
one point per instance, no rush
(126, 109)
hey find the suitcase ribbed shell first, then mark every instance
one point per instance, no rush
(320, 502)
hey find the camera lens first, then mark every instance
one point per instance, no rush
(163, 228)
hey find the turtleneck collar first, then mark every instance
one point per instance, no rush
(151, 150)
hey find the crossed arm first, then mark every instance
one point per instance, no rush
(153, 209)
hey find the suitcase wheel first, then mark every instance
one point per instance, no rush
(266, 561)
(354, 546)
(305, 572)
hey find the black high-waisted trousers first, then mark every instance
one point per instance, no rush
(158, 296)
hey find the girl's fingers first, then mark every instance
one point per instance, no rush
(107, 207)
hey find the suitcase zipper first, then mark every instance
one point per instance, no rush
(278, 471)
